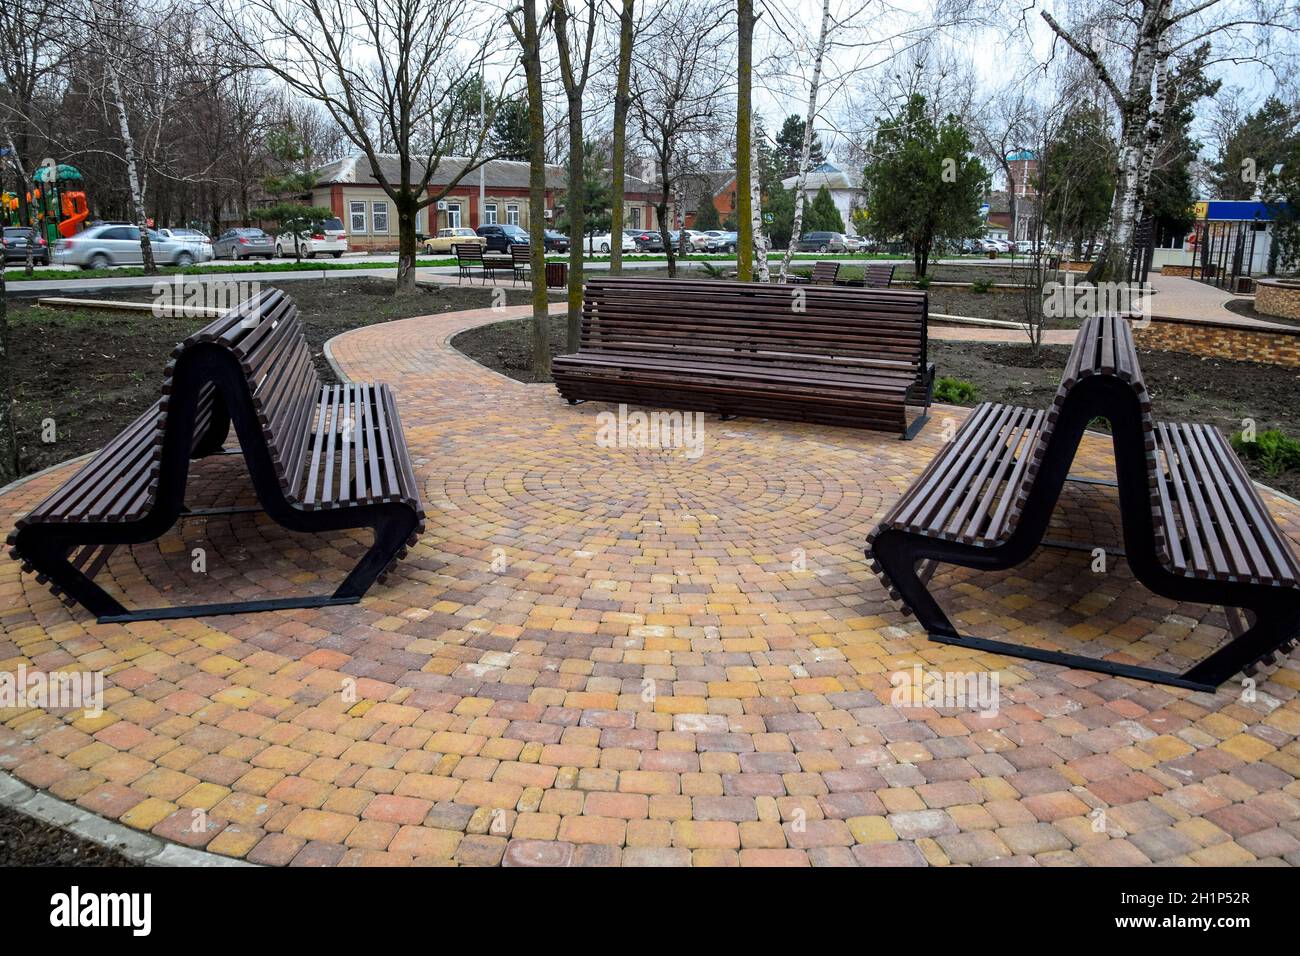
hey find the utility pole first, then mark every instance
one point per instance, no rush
(482, 129)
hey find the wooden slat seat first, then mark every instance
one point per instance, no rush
(878, 275)
(813, 353)
(321, 457)
(1195, 528)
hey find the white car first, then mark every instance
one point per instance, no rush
(200, 244)
(602, 242)
(326, 239)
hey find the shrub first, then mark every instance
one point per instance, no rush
(954, 391)
(981, 285)
(922, 282)
(1274, 451)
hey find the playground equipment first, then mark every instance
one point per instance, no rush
(57, 201)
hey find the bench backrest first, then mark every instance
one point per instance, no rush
(521, 255)
(468, 251)
(265, 336)
(878, 276)
(772, 323)
(825, 273)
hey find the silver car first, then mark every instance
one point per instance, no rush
(243, 243)
(200, 244)
(118, 244)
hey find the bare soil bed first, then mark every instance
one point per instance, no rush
(93, 371)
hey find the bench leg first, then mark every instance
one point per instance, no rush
(50, 558)
(391, 534)
(576, 401)
(1276, 624)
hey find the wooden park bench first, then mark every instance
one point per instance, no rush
(470, 261)
(1194, 527)
(321, 458)
(878, 275)
(521, 259)
(823, 273)
(824, 354)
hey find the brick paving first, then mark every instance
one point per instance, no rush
(602, 656)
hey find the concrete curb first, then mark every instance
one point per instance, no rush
(138, 847)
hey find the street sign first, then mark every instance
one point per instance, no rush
(769, 218)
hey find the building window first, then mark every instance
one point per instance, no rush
(634, 217)
(379, 216)
(512, 214)
(357, 213)
(419, 219)
(453, 215)
(490, 214)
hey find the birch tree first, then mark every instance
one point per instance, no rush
(758, 241)
(1128, 44)
(391, 74)
(745, 150)
(523, 22)
(801, 183)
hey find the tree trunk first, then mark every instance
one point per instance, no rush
(807, 143)
(132, 174)
(576, 210)
(8, 435)
(407, 206)
(24, 207)
(744, 134)
(759, 243)
(622, 101)
(662, 210)
(537, 192)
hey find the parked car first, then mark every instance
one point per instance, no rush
(822, 242)
(457, 235)
(719, 240)
(243, 243)
(602, 242)
(695, 241)
(500, 238)
(100, 247)
(196, 240)
(648, 240)
(1024, 247)
(18, 238)
(553, 241)
(325, 238)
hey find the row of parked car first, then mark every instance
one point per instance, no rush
(499, 238)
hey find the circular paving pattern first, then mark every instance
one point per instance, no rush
(602, 655)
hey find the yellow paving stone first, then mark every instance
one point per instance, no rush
(871, 829)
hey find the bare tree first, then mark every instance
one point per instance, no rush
(575, 38)
(622, 102)
(810, 119)
(745, 151)
(523, 22)
(1003, 126)
(393, 76)
(677, 97)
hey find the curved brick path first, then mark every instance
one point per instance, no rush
(603, 655)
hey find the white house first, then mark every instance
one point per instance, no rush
(845, 188)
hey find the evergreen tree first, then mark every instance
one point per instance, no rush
(1171, 195)
(596, 191)
(706, 214)
(822, 215)
(789, 146)
(1077, 177)
(924, 181)
(1259, 143)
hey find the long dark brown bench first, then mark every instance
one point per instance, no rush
(1195, 528)
(321, 458)
(824, 354)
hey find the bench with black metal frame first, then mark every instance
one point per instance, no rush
(469, 257)
(521, 261)
(1194, 527)
(823, 273)
(321, 458)
(879, 275)
(826, 354)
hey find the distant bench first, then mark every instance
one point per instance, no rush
(1195, 528)
(826, 354)
(321, 458)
